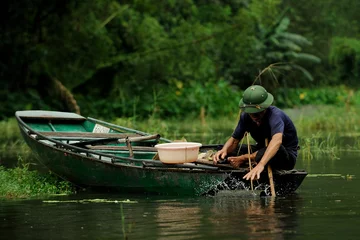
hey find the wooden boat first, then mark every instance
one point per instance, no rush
(95, 154)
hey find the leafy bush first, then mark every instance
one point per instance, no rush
(213, 98)
(339, 96)
(345, 57)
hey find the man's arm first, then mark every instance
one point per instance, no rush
(270, 152)
(228, 147)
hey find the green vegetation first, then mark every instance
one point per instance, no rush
(10, 130)
(345, 57)
(96, 200)
(20, 182)
(128, 230)
(340, 96)
(133, 58)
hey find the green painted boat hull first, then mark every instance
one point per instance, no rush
(87, 172)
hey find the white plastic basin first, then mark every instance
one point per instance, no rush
(178, 152)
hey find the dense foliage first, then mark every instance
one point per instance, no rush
(170, 58)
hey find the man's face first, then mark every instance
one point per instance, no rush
(257, 117)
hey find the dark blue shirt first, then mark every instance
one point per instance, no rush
(274, 121)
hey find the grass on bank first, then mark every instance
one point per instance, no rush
(310, 121)
(20, 182)
(316, 121)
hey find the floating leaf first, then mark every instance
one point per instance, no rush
(90, 201)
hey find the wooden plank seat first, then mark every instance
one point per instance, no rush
(50, 115)
(119, 148)
(88, 135)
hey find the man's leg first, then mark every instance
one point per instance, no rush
(281, 160)
(243, 149)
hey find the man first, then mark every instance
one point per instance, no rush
(263, 122)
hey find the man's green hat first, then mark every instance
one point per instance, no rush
(255, 99)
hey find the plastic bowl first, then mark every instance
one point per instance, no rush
(178, 152)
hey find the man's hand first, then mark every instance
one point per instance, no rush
(255, 172)
(235, 162)
(219, 155)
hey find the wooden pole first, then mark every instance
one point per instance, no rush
(248, 145)
(270, 174)
(128, 144)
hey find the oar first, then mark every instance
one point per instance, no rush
(270, 174)
(100, 141)
(103, 141)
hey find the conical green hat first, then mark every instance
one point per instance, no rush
(255, 99)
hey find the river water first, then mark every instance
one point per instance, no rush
(326, 206)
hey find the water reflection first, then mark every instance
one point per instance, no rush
(255, 218)
(176, 221)
(226, 217)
